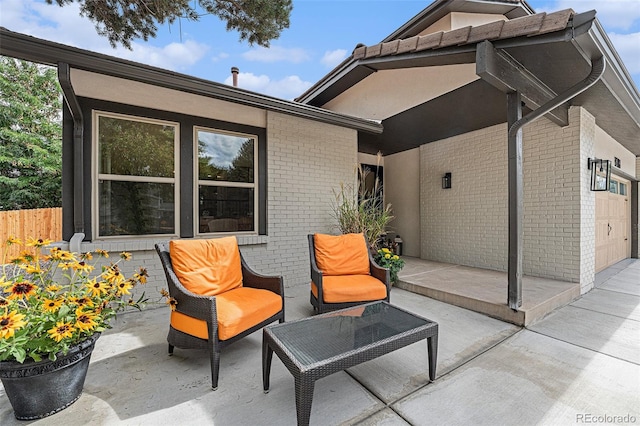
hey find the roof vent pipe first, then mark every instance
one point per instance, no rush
(234, 73)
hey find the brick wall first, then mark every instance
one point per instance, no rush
(467, 224)
(306, 161)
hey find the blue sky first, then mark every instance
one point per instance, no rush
(322, 33)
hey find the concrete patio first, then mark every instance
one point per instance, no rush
(581, 360)
(484, 290)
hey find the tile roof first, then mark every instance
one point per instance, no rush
(532, 25)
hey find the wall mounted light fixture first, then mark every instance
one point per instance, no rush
(446, 181)
(600, 174)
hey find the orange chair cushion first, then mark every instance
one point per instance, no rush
(207, 267)
(238, 310)
(341, 254)
(350, 288)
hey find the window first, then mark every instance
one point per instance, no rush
(623, 188)
(613, 186)
(136, 176)
(226, 181)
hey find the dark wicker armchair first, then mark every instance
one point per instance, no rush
(199, 310)
(335, 286)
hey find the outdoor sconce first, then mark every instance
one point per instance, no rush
(600, 174)
(446, 181)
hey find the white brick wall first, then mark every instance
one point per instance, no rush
(306, 161)
(467, 224)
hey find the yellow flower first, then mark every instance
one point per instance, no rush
(9, 323)
(164, 293)
(113, 275)
(31, 242)
(102, 253)
(82, 301)
(87, 256)
(172, 303)
(396, 257)
(50, 305)
(85, 321)
(61, 331)
(82, 266)
(56, 253)
(387, 256)
(33, 269)
(126, 256)
(97, 288)
(52, 288)
(13, 240)
(21, 290)
(3, 302)
(124, 287)
(141, 276)
(385, 250)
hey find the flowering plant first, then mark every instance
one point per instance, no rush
(49, 303)
(385, 258)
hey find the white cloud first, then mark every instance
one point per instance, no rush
(65, 25)
(276, 54)
(614, 14)
(628, 47)
(219, 57)
(286, 88)
(173, 56)
(332, 58)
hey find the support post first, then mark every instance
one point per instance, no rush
(514, 113)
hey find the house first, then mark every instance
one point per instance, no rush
(515, 110)
(442, 96)
(150, 155)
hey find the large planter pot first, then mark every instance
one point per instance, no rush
(40, 389)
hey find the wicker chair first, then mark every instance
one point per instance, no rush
(335, 288)
(200, 308)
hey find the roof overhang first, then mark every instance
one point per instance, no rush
(45, 52)
(556, 60)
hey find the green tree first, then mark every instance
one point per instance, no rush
(30, 136)
(257, 21)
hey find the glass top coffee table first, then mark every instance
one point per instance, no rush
(315, 347)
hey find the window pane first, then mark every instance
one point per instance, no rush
(134, 148)
(224, 157)
(613, 186)
(223, 209)
(623, 188)
(136, 208)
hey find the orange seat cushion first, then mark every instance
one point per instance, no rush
(238, 310)
(207, 267)
(350, 288)
(341, 254)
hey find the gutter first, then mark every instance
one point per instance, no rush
(598, 66)
(46, 52)
(64, 77)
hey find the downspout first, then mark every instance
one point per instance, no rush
(64, 77)
(597, 69)
(515, 204)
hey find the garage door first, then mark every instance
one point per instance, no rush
(613, 223)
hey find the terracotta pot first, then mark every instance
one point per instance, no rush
(40, 389)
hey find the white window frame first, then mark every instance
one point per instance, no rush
(198, 182)
(97, 177)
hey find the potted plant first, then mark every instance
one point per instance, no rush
(362, 209)
(387, 259)
(53, 308)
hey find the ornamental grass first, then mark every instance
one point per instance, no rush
(51, 302)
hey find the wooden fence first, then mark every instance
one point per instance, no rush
(23, 224)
